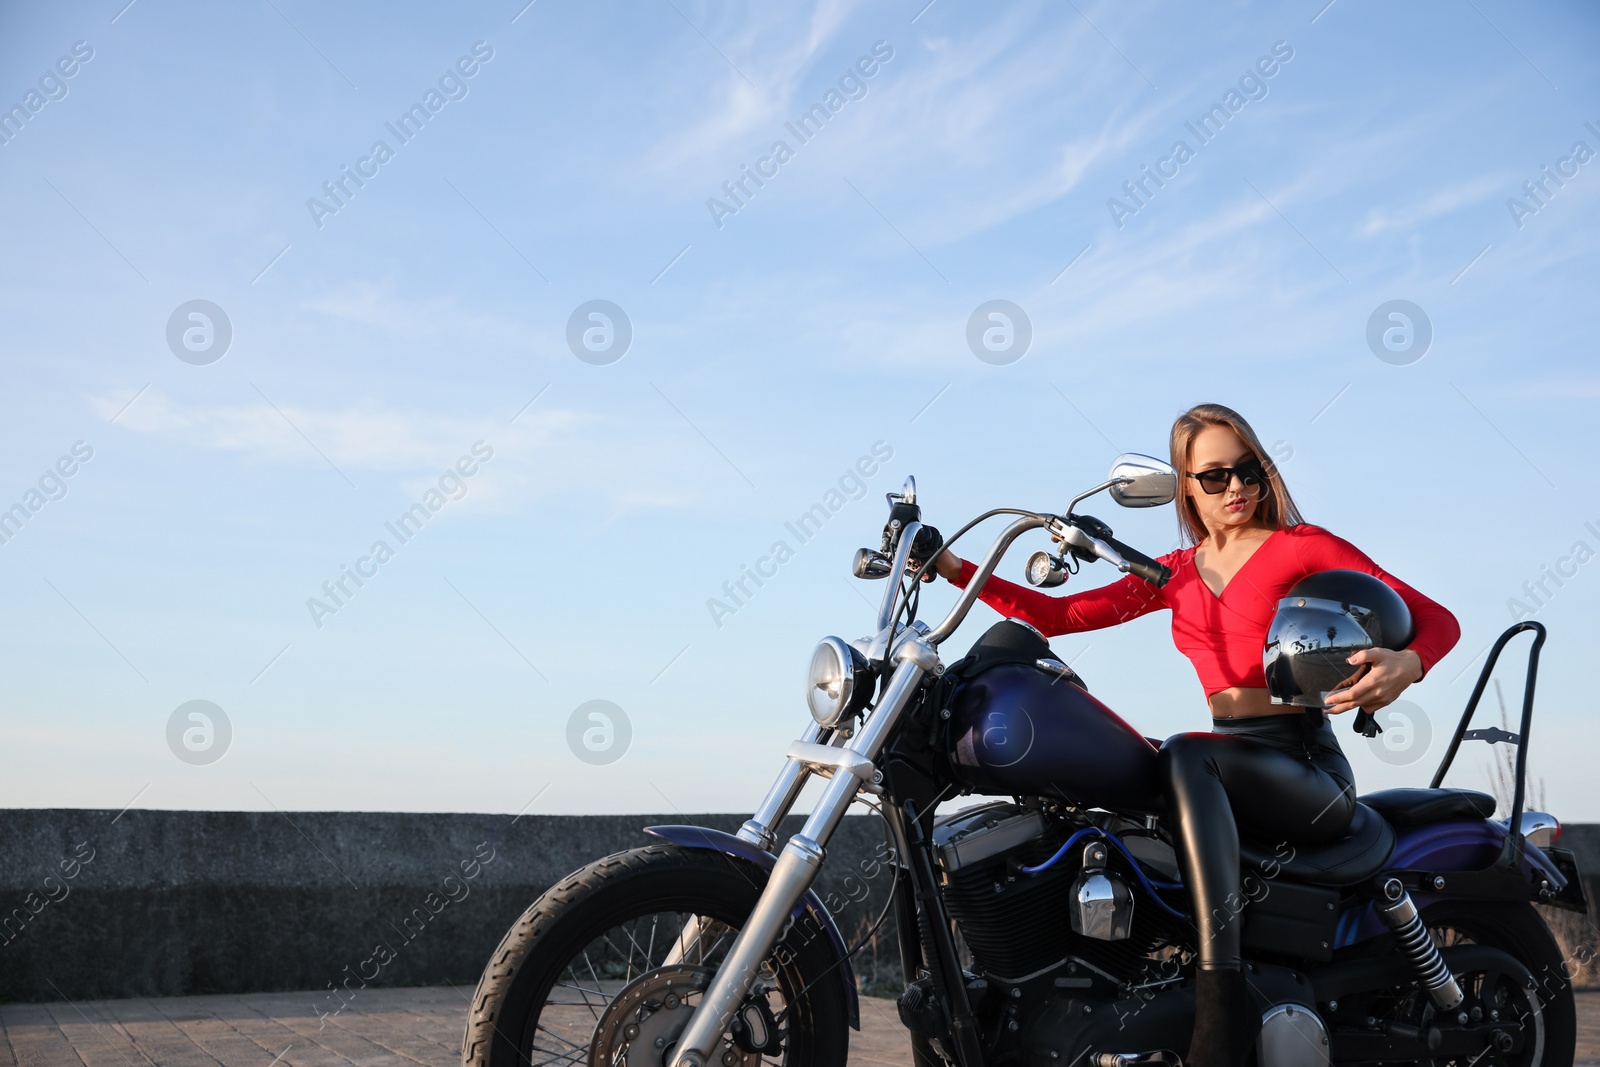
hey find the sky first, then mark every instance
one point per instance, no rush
(576, 308)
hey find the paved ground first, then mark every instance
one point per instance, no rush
(379, 1028)
(1588, 1029)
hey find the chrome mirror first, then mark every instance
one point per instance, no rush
(1142, 481)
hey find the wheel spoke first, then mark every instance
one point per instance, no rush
(581, 1012)
(634, 944)
(576, 1054)
(699, 940)
(546, 1030)
(596, 977)
(582, 989)
(628, 957)
(720, 939)
(649, 952)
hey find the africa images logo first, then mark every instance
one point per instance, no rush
(451, 485)
(1252, 86)
(52, 87)
(852, 85)
(199, 332)
(452, 86)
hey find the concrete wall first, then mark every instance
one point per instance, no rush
(158, 903)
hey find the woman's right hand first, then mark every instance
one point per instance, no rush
(948, 564)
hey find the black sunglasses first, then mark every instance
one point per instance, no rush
(1213, 481)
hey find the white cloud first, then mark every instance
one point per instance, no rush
(270, 430)
(611, 462)
(777, 50)
(418, 318)
(994, 112)
(1443, 202)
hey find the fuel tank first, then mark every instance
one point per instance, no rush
(1019, 728)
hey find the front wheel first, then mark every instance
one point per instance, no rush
(609, 964)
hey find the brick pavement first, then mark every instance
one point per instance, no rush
(379, 1028)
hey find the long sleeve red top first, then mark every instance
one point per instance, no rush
(1222, 635)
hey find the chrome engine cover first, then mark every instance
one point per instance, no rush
(1292, 1035)
(1102, 904)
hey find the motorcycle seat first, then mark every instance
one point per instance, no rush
(1404, 808)
(1359, 855)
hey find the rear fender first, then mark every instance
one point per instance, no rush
(1456, 845)
(810, 905)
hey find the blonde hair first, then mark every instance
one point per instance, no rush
(1276, 507)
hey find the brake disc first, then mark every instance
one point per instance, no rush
(642, 1024)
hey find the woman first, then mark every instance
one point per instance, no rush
(1273, 769)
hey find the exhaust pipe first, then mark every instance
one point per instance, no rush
(1155, 1058)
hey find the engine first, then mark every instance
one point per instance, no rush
(1074, 951)
(1087, 914)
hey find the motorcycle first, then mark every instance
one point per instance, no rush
(1051, 928)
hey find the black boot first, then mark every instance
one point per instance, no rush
(1225, 1020)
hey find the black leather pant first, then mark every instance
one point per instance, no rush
(1278, 778)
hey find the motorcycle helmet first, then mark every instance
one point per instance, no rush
(1324, 619)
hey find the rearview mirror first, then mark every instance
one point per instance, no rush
(1142, 481)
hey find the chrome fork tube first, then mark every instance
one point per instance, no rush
(842, 789)
(761, 829)
(794, 872)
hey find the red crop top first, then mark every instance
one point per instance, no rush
(1222, 635)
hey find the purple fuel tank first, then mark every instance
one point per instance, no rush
(1021, 729)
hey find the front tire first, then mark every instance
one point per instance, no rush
(643, 893)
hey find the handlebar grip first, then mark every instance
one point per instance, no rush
(1140, 564)
(926, 545)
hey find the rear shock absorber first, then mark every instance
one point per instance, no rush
(1399, 914)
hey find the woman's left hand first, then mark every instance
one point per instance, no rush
(1381, 677)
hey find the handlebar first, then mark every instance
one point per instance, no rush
(902, 555)
(1069, 529)
(1089, 537)
(1137, 563)
(991, 559)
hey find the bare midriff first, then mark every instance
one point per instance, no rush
(1239, 703)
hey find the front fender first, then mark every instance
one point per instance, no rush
(718, 841)
(1455, 845)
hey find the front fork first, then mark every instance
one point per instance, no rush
(759, 829)
(802, 855)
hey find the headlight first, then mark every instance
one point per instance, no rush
(834, 687)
